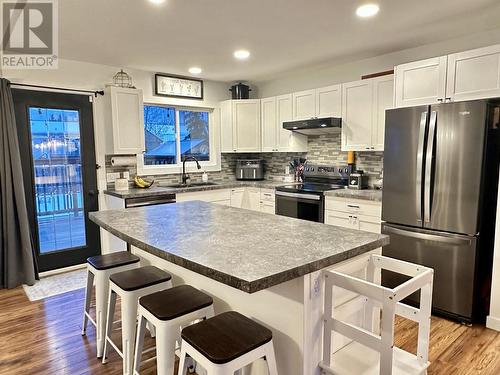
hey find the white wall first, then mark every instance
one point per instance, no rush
(493, 320)
(331, 73)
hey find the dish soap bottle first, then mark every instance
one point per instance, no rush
(204, 177)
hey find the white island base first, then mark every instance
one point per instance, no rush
(292, 310)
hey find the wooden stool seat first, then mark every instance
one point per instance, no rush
(175, 302)
(107, 261)
(139, 278)
(226, 337)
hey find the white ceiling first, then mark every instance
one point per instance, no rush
(282, 35)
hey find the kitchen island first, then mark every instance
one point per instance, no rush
(265, 266)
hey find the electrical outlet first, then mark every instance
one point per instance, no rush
(126, 175)
(316, 287)
(111, 177)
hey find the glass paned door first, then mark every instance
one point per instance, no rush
(56, 135)
(57, 165)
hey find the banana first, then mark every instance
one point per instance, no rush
(142, 183)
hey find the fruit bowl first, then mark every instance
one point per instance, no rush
(143, 182)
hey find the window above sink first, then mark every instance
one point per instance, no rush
(172, 133)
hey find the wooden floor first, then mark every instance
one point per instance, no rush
(43, 337)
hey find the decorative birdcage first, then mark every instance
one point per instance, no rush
(122, 79)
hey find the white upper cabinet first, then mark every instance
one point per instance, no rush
(317, 103)
(363, 113)
(125, 109)
(468, 75)
(474, 74)
(329, 101)
(304, 105)
(421, 82)
(226, 127)
(357, 115)
(269, 124)
(383, 88)
(240, 126)
(284, 113)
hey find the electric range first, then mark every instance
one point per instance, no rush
(307, 200)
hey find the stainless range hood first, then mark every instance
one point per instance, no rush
(315, 126)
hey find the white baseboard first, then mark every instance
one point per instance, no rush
(62, 270)
(493, 323)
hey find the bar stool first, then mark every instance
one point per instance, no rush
(168, 311)
(100, 267)
(227, 343)
(130, 286)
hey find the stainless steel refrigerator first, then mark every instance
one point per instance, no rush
(439, 199)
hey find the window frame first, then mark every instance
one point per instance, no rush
(214, 164)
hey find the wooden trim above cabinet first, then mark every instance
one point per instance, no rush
(379, 74)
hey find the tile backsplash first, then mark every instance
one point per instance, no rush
(324, 149)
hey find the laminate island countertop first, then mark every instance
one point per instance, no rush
(247, 250)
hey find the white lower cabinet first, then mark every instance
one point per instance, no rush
(252, 201)
(248, 198)
(353, 214)
(267, 201)
(237, 197)
(222, 196)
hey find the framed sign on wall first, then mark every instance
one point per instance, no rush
(178, 86)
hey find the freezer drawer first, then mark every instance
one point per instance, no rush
(452, 257)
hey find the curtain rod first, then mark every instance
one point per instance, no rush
(95, 93)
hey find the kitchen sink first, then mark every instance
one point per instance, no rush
(194, 184)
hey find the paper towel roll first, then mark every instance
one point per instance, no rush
(123, 161)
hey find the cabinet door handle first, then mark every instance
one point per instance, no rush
(353, 206)
(440, 100)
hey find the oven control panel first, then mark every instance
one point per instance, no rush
(327, 171)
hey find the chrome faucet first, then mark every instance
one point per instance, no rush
(185, 177)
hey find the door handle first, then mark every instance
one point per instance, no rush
(420, 158)
(428, 166)
(455, 240)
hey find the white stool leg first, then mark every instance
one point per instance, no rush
(151, 329)
(271, 359)
(129, 318)
(101, 297)
(109, 323)
(165, 351)
(182, 361)
(88, 297)
(141, 331)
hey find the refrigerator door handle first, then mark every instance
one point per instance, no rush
(428, 166)
(455, 240)
(420, 159)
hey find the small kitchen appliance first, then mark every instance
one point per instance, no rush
(358, 180)
(250, 169)
(240, 91)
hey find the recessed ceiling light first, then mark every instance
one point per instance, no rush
(157, 2)
(242, 54)
(367, 10)
(195, 70)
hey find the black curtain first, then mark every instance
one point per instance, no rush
(17, 260)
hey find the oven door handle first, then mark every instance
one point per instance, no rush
(299, 195)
